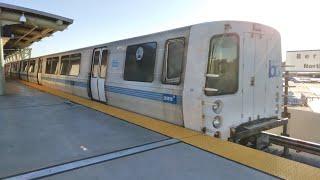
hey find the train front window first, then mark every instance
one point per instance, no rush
(223, 65)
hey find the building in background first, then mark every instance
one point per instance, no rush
(304, 63)
(304, 69)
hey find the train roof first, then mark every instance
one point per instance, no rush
(184, 28)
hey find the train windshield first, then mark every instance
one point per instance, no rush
(223, 65)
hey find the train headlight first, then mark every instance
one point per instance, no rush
(217, 122)
(217, 106)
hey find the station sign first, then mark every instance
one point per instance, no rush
(303, 61)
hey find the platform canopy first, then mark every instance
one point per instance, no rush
(23, 26)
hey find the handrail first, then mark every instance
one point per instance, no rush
(292, 143)
(211, 89)
(212, 75)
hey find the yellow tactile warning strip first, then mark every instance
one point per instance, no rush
(274, 165)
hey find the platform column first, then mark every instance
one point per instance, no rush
(2, 78)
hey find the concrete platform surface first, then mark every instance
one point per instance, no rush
(38, 131)
(178, 162)
(51, 132)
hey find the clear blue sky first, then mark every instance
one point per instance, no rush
(100, 21)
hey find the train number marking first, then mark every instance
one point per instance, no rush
(115, 63)
(169, 98)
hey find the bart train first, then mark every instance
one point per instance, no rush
(213, 77)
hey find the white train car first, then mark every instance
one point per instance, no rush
(7, 70)
(13, 70)
(211, 77)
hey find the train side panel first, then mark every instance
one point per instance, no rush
(74, 84)
(147, 98)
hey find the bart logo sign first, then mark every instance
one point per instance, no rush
(274, 70)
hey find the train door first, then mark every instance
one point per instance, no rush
(248, 79)
(27, 71)
(255, 76)
(6, 70)
(19, 69)
(98, 74)
(260, 76)
(39, 71)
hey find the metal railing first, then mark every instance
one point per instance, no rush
(292, 143)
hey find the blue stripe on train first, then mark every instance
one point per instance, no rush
(69, 82)
(167, 98)
(162, 97)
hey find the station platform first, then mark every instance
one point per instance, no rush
(52, 136)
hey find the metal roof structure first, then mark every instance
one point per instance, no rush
(23, 26)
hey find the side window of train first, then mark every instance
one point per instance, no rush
(95, 65)
(70, 64)
(51, 65)
(74, 66)
(40, 66)
(21, 66)
(140, 62)
(12, 68)
(32, 66)
(104, 61)
(24, 66)
(48, 66)
(173, 62)
(18, 66)
(223, 65)
(64, 65)
(55, 62)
